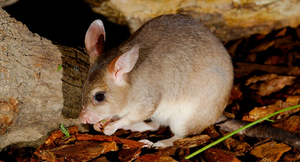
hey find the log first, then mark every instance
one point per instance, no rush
(5, 3)
(35, 97)
(228, 20)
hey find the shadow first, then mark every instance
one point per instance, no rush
(65, 22)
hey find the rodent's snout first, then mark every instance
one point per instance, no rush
(87, 116)
(82, 117)
(84, 121)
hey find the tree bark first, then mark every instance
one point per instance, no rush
(35, 97)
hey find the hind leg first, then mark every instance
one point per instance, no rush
(179, 132)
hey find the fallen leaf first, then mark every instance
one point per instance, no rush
(168, 151)
(293, 99)
(84, 147)
(58, 134)
(251, 57)
(271, 150)
(129, 154)
(213, 155)
(260, 112)
(100, 159)
(80, 151)
(285, 43)
(190, 142)
(232, 115)
(272, 83)
(212, 132)
(236, 145)
(293, 155)
(281, 33)
(244, 69)
(233, 48)
(260, 37)
(255, 79)
(235, 92)
(292, 124)
(126, 142)
(273, 60)
(267, 88)
(263, 46)
(295, 88)
(154, 158)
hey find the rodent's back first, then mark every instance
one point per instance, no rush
(175, 49)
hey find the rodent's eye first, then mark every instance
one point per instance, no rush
(99, 96)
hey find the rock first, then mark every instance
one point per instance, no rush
(228, 20)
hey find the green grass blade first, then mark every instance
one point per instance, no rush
(64, 130)
(236, 131)
(59, 67)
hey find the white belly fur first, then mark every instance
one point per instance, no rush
(173, 114)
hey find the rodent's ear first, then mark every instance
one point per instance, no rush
(94, 40)
(123, 64)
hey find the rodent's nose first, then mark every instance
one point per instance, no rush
(82, 117)
(84, 121)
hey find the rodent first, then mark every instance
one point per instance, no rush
(172, 70)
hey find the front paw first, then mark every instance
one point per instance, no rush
(110, 129)
(97, 126)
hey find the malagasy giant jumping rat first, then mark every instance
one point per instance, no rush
(173, 70)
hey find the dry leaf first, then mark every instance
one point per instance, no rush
(154, 158)
(129, 154)
(84, 147)
(271, 150)
(267, 88)
(291, 124)
(255, 79)
(274, 60)
(127, 144)
(260, 112)
(191, 141)
(212, 132)
(263, 46)
(213, 155)
(281, 33)
(80, 151)
(244, 69)
(251, 57)
(168, 151)
(293, 155)
(295, 88)
(272, 83)
(235, 92)
(236, 145)
(232, 49)
(293, 99)
(58, 134)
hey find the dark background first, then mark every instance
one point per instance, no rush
(63, 21)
